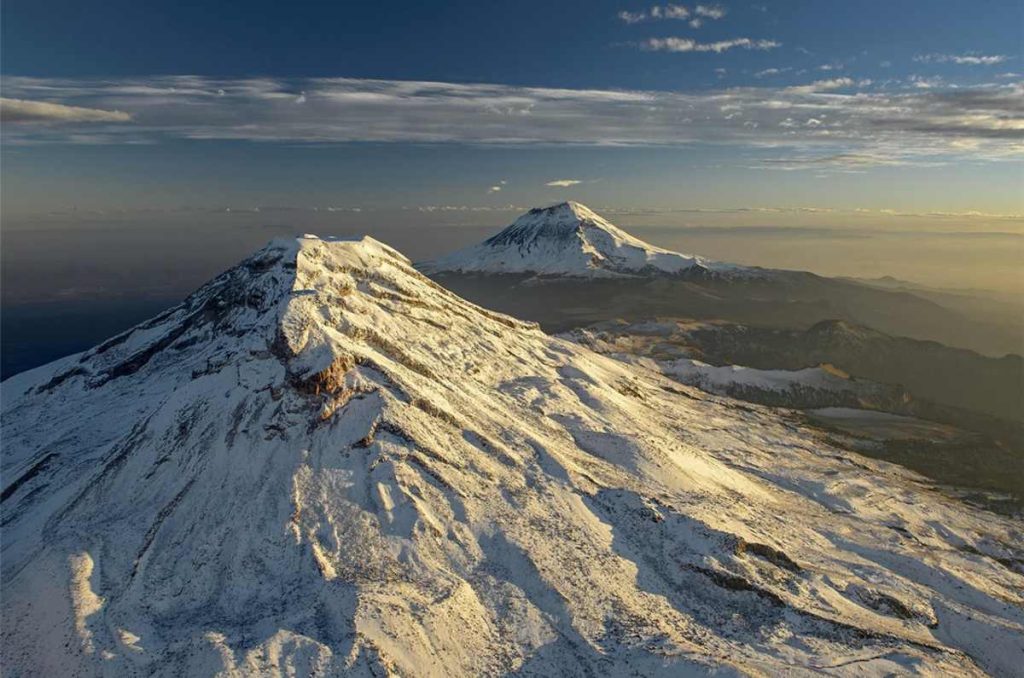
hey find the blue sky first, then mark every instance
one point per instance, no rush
(575, 44)
(868, 112)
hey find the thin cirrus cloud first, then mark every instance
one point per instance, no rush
(850, 162)
(831, 84)
(768, 72)
(962, 59)
(656, 12)
(902, 122)
(690, 45)
(563, 183)
(696, 16)
(22, 111)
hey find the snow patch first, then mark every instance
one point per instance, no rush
(83, 600)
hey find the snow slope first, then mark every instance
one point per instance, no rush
(323, 463)
(722, 379)
(665, 347)
(569, 239)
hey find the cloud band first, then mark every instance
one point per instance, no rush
(984, 121)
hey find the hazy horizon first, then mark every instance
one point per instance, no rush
(90, 258)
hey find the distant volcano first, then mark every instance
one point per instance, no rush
(569, 239)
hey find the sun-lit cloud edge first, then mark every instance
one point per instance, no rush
(839, 118)
(37, 112)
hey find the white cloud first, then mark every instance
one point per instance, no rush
(969, 59)
(921, 82)
(632, 17)
(710, 11)
(690, 45)
(979, 60)
(697, 16)
(771, 71)
(656, 12)
(494, 189)
(563, 183)
(22, 111)
(669, 12)
(825, 85)
(827, 117)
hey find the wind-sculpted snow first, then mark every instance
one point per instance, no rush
(324, 463)
(571, 240)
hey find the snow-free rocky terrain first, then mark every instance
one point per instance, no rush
(324, 463)
(571, 240)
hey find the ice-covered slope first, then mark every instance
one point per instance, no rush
(323, 463)
(571, 240)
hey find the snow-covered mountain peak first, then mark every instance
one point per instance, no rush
(569, 211)
(569, 239)
(323, 463)
(300, 305)
(568, 215)
(568, 220)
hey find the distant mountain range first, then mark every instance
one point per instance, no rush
(863, 368)
(565, 266)
(675, 348)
